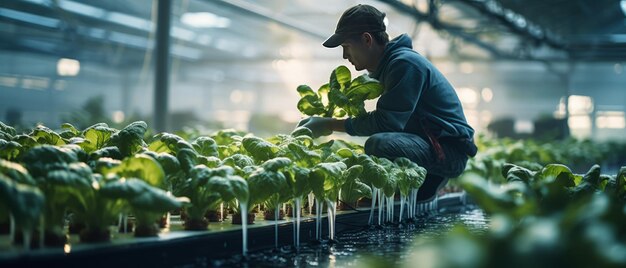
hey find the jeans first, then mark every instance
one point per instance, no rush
(392, 145)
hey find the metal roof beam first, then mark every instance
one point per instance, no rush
(267, 14)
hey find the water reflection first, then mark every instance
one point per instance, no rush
(389, 243)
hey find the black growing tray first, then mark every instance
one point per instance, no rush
(182, 248)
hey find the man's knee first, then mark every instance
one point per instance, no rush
(375, 144)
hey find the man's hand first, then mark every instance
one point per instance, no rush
(320, 126)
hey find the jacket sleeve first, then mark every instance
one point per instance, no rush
(404, 83)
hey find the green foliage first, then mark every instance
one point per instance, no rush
(140, 167)
(199, 191)
(353, 189)
(9, 150)
(6, 131)
(24, 201)
(95, 137)
(260, 149)
(343, 97)
(147, 203)
(205, 146)
(327, 179)
(269, 181)
(410, 175)
(130, 139)
(100, 172)
(168, 143)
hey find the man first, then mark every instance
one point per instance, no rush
(418, 116)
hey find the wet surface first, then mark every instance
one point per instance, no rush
(391, 243)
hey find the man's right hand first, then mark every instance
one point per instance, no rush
(319, 126)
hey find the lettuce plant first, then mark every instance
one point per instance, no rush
(189, 158)
(228, 142)
(205, 146)
(298, 146)
(353, 189)
(208, 186)
(341, 96)
(96, 209)
(9, 150)
(260, 149)
(95, 137)
(326, 180)
(147, 202)
(20, 199)
(129, 140)
(410, 179)
(61, 178)
(141, 167)
(168, 143)
(268, 183)
(44, 135)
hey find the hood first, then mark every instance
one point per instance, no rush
(402, 41)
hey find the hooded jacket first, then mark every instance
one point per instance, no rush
(416, 97)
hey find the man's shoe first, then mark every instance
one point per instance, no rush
(432, 184)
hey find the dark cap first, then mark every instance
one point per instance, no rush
(357, 19)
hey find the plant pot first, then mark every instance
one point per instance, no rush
(163, 222)
(346, 207)
(365, 202)
(213, 216)
(196, 224)
(290, 211)
(237, 218)
(50, 239)
(147, 230)
(75, 227)
(94, 236)
(5, 228)
(177, 211)
(269, 215)
(130, 224)
(183, 215)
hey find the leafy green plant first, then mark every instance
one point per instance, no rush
(260, 149)
(61, 178)
(341, 96)
(168, 143)
(548, 217)
(147, 202)
(20, 200)
(140, 167)
(129, 140)
(228, 142)
(208, 186)
(96, 209)
(353, 189)
(269, 184)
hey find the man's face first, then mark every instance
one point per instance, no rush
(356, 51)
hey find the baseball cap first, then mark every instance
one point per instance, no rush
(355, 20)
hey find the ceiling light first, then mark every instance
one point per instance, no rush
(68, 67)
(623, 5)
(204, 20)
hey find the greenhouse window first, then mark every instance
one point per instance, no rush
(204, 20)
(579, 105)
(611, 119)
(579, 122)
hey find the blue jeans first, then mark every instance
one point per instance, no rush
(392, 145)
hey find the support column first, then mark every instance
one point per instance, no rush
(162, 66)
